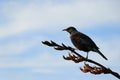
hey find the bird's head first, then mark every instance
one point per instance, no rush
(70, 29)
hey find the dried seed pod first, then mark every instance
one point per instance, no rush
(66, 58)
(84, 70)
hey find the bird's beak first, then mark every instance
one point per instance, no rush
(64, 30)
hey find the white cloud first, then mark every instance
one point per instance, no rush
(18, 46)
(79, 13)
(13, 48)
(44, 70)
(42, 63)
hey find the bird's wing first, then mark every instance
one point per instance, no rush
(86, 40)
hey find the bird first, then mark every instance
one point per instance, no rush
(82, 42)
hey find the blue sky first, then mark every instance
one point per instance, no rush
(25, 23)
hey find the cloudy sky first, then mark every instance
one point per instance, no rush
(25, 23)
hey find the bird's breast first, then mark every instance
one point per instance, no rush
(76, 41)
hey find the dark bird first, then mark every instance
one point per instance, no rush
(82, 41)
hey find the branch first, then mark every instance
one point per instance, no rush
(74, 56)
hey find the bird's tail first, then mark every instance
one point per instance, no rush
(102, 55)
(96, 50)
